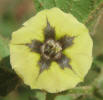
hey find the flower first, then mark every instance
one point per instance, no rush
(52, 51)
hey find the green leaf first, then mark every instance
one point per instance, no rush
(5, 63)
(38, 5)
(47, 3)
(43, 4)
(81, 9)
(50, 96)
(97, 32)
(8, 78)
(81, 90)
(4, 49)
(8, 81)
(25, 93)
(7, 25)
(64, 5)
(40, 95)
(63, 97)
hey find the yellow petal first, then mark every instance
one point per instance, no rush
(33, 30)
(80, 54)
(24, 63)
(65, 24)
(56, 79)
(53, 80)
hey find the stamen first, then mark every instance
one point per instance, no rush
(51, 49)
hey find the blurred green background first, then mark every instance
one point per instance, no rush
(13, 13)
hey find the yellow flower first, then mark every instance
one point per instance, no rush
(52, 51)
